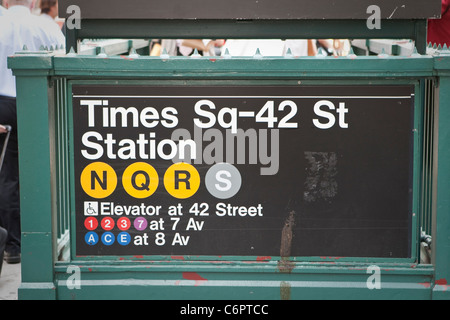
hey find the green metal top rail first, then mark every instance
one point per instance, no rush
(247, 19)
(382, 65)
(251, 29)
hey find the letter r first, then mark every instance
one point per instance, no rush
(185, 179)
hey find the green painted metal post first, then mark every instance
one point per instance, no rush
(35, 152)
(441, 225)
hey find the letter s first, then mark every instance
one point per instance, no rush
(325, 114)
(92, 145)
(220, 178)
(204, 113)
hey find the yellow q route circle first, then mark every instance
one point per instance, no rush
(98, 180)
(181, 180)
(140, 180)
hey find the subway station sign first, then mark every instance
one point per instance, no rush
(243, 170)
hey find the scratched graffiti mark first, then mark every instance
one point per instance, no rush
(320, 183)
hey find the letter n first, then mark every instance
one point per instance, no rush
(103, 183)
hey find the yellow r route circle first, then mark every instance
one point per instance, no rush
(181, 180)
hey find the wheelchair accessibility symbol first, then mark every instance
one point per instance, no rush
(91, 208)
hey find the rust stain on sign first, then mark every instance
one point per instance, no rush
(284, 265)
(285, 290)
(287, 235)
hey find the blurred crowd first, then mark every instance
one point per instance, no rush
(248, 47)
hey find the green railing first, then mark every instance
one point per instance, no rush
(63, 178)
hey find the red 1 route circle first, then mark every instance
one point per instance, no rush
(91, 223)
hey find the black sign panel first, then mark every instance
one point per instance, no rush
(243, 170)
(251, 9)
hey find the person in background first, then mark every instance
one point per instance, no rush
(3, 10)
(439, 29)
(3, 236)
(18, 28)
(298, 47)
(49, 11)
(205, 47)
(248, 47)
(270, 47)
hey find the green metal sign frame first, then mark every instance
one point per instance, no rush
(44, 104)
